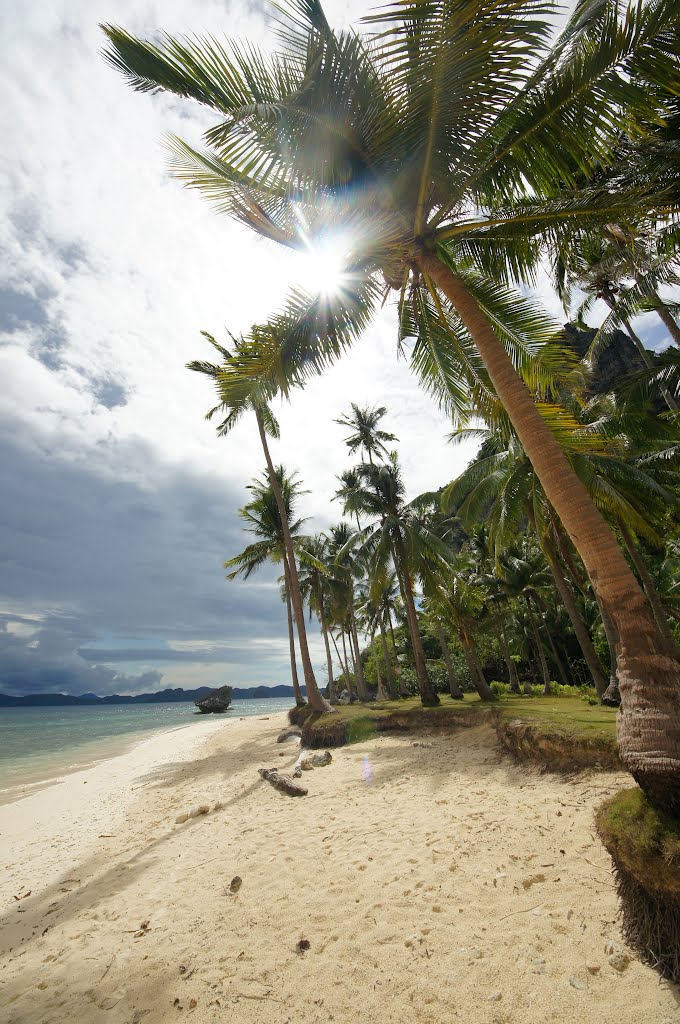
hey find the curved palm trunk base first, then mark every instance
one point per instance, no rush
(649, 672)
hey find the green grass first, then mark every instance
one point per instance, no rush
(645, 841)
(564, 714)
(557, 716)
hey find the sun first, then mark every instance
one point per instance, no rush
(324, 265)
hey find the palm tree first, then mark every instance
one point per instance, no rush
(463, 599)
(261, 516)
(597, 265)
(345, 570)
(266, 425)
(366, 435)
(446, 146)
(315, 573)
(398, 536)
(525, 576)
(601, 265)
(436, 618)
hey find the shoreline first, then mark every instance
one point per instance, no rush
(432, 878)
(112, 747)
(22, 776)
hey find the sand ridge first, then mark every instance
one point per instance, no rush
(433, 879)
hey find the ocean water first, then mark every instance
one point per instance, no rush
(39, 744)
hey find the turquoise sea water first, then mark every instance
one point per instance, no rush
(38, 744)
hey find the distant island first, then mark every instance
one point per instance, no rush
(168, 696)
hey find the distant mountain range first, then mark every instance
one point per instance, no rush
(41, 700)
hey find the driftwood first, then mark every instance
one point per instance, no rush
(307, 761)
(282, 782)
(292, 730)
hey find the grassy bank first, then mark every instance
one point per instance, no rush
(562, 732)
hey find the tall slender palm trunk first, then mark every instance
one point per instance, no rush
(314, 698)
(397, 666)
(474, 667)
(667, 318)
(635, 338)
(646, 580)
(329, 660)
(512, 670)
(579, 626)
(358, 667)
(428, 696)
(648, 665)
(299, 699)
(539, 647)
(454, 688)
(343, 664)
(557, 658)
(381, 695)
(389, 668)
(346, 667)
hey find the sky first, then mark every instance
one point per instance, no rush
(119, 502)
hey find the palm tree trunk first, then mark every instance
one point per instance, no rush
(381, 692)
(646, 580)
(648, 723)
(612, 695)
(299, 699)
(539, 646)
(397, 666)
(391, 681)
(512, 671)
(454, 688)
(358, 667)
(314, 698)
(474, 667)
(329, 660)
(428, 697)
(667, 318)
(347, 675)
(557, 658)
(579, 626)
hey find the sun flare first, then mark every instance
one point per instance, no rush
(325, 265)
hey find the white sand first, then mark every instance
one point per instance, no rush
(452, 886)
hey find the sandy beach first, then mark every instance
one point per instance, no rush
(433, 879)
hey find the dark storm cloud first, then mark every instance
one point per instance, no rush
(47, 664)
(139, 563)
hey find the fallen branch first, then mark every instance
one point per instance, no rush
(282, 782)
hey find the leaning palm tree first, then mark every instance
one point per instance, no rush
(262, 519)
(366, 436)
(266, 425)
(446, 145)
